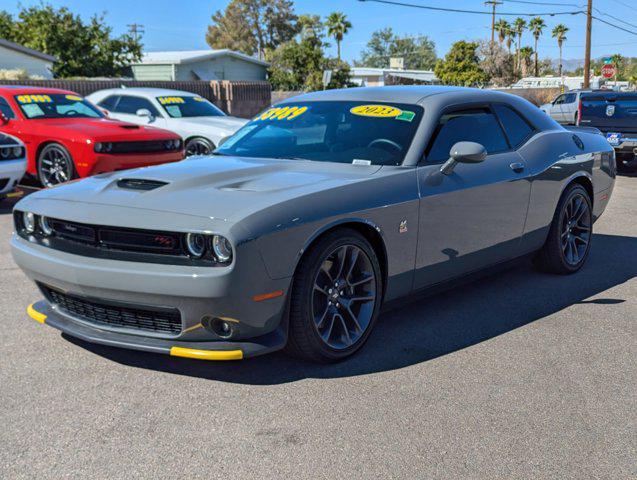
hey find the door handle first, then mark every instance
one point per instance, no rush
(517, 167)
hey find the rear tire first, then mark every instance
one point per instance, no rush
(336, 297)
(55, 165)
(569, 239)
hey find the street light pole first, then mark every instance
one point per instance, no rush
(587, 54)
(493, 4)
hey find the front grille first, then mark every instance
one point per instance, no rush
(114, 314)
(139, 147)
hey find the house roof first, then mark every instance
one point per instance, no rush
(179, 57)
(27, 51)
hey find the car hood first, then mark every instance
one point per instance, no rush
(102, 129)
(223, 188)
(215, 127)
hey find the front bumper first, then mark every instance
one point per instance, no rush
(44, 313)
(228, 293)
(103, 163)
(11, 171)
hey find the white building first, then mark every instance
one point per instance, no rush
(199, 65)
(571, 83)
(16, 57)
(378, 77)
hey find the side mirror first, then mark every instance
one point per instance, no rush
(145, 113)
(223, 140)
(3, 119)
(464, 152)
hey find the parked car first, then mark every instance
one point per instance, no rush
(67, 137)
(200, 124)
(615, 114)
(13, 163)
(324, 207)
(564, 108)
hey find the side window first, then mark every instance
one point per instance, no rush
(475, 125)
(109, 102)
(516, 128)
(130, 105)
(570, 98)
(6, 109)
(559, 100)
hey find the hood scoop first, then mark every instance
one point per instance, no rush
(140, 184)
(130, 127)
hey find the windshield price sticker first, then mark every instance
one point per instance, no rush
(170, 100)
(34, 99)
(282, 113)
(382, 111)
(198, 99)
(74, 98)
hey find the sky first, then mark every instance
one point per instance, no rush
(181, 25)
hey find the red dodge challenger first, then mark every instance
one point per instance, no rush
(67, 137)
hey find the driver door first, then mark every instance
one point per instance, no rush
(473, 217)
(126, 110)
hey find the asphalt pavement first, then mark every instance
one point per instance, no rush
(517, 375)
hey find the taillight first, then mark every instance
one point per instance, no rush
(579, 112)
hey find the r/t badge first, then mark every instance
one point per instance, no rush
(402, 227)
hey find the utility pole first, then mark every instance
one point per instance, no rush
(587, 53)
(136, 30)
(493, 4)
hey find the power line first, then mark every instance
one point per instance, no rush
(136, 30)
(546, 3)
(613, 25)
(456, 10)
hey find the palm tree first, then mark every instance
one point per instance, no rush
(510, 35)
(502, 27)
(518, 27)
(559, 32)
(337, 27)
(536, 25)
(525, 59)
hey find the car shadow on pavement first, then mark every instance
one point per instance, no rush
(427, 328)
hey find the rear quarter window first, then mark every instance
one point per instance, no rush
(517, 129)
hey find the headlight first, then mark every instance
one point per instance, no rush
(221, 248)
(5, 152)
(17, 152)
(45, 227)
(98, 147)
(196, 244)
(28, 220)
(104, 147)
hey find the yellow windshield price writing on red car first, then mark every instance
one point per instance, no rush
(170, 100)
(381, 111)
(34, 99)
(282, 113)
(74, 98)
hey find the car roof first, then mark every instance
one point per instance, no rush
(28, 89)
(152, 92)
(397, 94)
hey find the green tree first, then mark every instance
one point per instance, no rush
(253, 26)
(536, 25)
(461, 66)
(337, 27)
(559, 33)
(419, 52)
(510, 36)
(525, 60)
(82, 49)
(518, 27)
(502, 27)
(620, 65)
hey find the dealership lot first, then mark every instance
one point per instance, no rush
(520, 374)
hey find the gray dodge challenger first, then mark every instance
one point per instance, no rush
(310, 218)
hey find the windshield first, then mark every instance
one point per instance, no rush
(56, 105)
(179, 107)
(343, 132)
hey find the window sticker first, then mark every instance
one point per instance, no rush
(174, 111)
(229, 143)
(26, 99)
(198, 99)
(32, 110)
(282, 113)
(170, 100)
(74, 98)
(383, 111)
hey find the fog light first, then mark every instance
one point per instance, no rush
(218, 326)
(28, 219)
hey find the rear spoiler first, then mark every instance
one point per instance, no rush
(578, 129)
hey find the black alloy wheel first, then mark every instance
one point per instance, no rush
(55, 165)
(199, 146)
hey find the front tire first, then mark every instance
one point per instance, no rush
(569, 240)
(336, 297)
(199, 146)
(55, 165)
